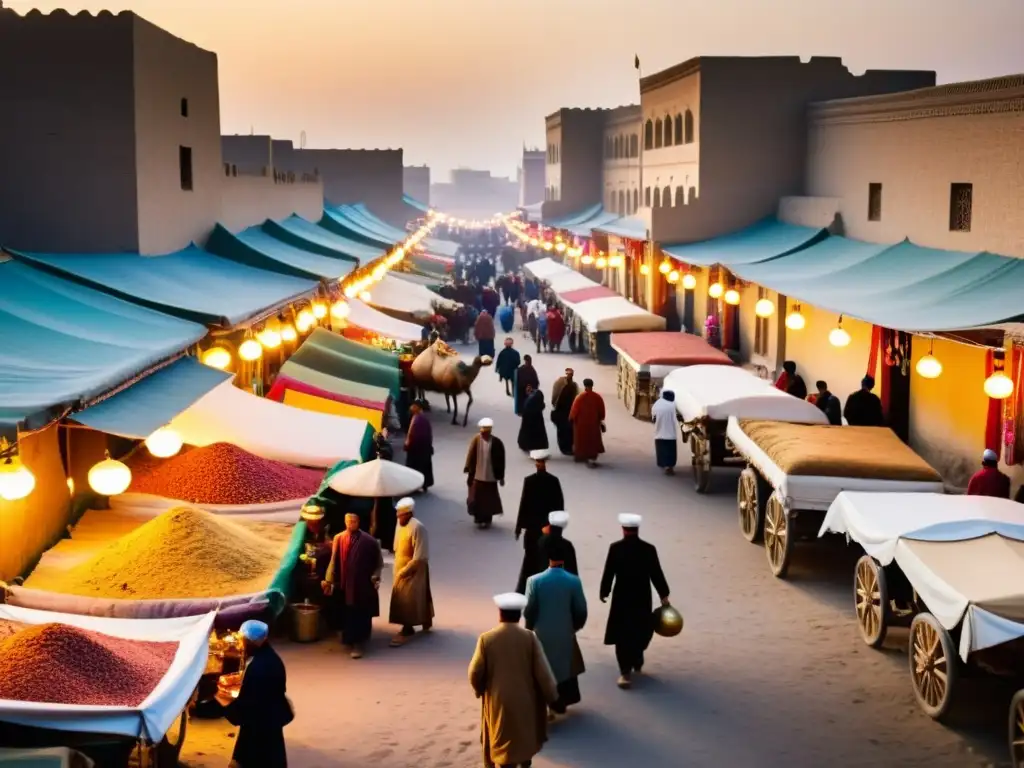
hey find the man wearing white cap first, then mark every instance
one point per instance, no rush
(261, 710)
(511, 674)
(411, 602)
(485, 471)
(554, 536)
(989, 481)
(630, 570)
(542, 494)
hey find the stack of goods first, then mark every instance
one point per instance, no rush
(61, 664)
(184, 553)
(221, 473)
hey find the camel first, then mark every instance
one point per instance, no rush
(439, 369)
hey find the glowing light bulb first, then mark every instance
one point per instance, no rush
(689, 281)
(587, 260)
(665, 267)
(998, 386)
(16, 480)
(164, 443)
(288, 333)
(764, 308)
(304, 321)
(673, 276)
(217, 357)
(601, 262)
(340, 310)
(645, 269)
(319, 310)
(560, 247)
(365, 296)
(732, 296)
(795, 321)
(928, 367)
(616, 261)
(110, 477)
(269, 338)
(838, 337)
(548, 246)
(715, 290)
(250, 350)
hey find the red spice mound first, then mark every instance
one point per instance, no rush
(222, 473)
(60, 664)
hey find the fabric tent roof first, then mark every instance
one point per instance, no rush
(308, 236)
(340, 222)
(903, 286)
(364, 222)
(631, 227)
(330, 361)
(545, 268)
(585, 228)
(253, 246)
(191, 283)
(561, 222)
(764, 240)
(364, 316)
(150, 403)
(570, 280)
(616, 314)
(334, 385)
(64, 343)
(412, 201)
(532, 211)
(403, 296)
(338, 343)
(427, 281)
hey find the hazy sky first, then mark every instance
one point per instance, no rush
(466, 82)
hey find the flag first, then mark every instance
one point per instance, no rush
(636, 61)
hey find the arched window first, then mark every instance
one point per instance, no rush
(647, 197)
(668, 131)
(607, 147)
(634, 146)
(622, 203)
(680, 196)
(619, 149)
(657, 198)
(658, 135)
(666, 197)
(688, 127)
(648, 135)
(678, 125)
(636, 199)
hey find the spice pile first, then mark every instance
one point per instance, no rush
(183, 553)
(221, 473)
(60, 664)
(8, 628)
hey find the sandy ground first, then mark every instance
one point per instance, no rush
(766, 672)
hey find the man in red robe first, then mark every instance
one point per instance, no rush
(556, 329)
(989, 481)
(353, 578)
(587, 417)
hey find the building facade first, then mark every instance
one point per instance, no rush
(474, 194)
(531, 176)
(573, 177)
(416, 182)
(621, 166)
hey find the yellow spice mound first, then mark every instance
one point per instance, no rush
(183, 553)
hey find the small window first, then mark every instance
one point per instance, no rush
(677, 126)
(648, 135)
(688, 136)
(874, 202)
(668, 131)
(633, 145)
(680, 196)
(184, 107)
(185, 167)
(961, 199)
(647, 197)
(666, 197)
(636, 200)
(657, 197)
(622, 203)
(658, 133)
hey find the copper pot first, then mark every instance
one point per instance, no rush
(668, 622)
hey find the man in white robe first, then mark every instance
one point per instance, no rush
(411, 602)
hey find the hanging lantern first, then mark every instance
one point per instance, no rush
(587, 260)
(351, 292)
(164, 443)
(365, 296)
(548, 245)
(838, 337)
(534, 242)
(110, 477)
(616, 261)
(269, 338)
(340, 310)
(715, 290)
(288, 333)
(795, 321)
(304, 321)
(250, 350)
(645, 269)
(16, 480)
(665, 267)
(732, 297)
(764, 308)
(601, 262)
(689, 281)
(560, 247)
(319, 310)
(998, 386)
(217, 357)
(929, 367)
(673, 277)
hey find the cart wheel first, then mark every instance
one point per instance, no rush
(167, 752)
(750, 499)
(933, 665)
(630, 399)
(871, 598)
(778, 542)
(701, 460)
(1017, 730)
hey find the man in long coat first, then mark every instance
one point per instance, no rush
(506, 364)
(630, 570)
(511, 674)
(353, 577)
(587, 417)
(485, 471)
(533, 433)
(483, 329)
(554, 537)
(526, 376)
(563, 395)
(556, 610)
(261, 709)
(411, 602)
(556, 329)
(542, 494)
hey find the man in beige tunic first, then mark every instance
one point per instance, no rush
(511, 674)
(411, 602)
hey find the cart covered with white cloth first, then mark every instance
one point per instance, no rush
(803, 467)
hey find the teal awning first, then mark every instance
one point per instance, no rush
(253, 246)
(631, 227)
(192, 283)
(150, 403)
(372, 223)
(533, 211)
(312, 237)
(586, 228)
(412, 202)
(339, 223)
(904, 286)
(564, 222)
(64, 344)
(765, 240)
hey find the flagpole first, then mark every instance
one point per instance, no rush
(639, 77)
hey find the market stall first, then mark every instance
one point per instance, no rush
(805, 466)
(342, 366)
(952, 569)
(569, 280)
(598, 317)
(406, 300)
(545, 269)
(707, 395)
(71, 680)
(645, 359)
(335, 342)
(272, 430)
(363, 317)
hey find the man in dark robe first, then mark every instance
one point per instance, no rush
(419, 444)
(556, 329)
(353, 578)
(563, 394)
(554, 536)
(828, 404)
(989, 481)
(630, 570)
(542, 495)
(792, 382)
(485, 472)
(506, 364)
(587, 417)
(483, 329)
(261, 710)
(864, 407)
(526, 376)
(533, 434)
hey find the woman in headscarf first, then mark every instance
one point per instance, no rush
(484, 332)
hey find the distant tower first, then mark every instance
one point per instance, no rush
(302, 140)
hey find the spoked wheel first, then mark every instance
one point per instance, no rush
(933, 665)
(871, 598)
(629, 398)
(778, 538)
(751, 505)
(701, 460)
(1017, 730)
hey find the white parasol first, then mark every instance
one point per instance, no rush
(376, 479)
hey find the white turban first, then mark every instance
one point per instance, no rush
(254, 631)
(558, 519)
(485, 423)
(510, 601)
(541, 454)
(405, 504)
(630, 521)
